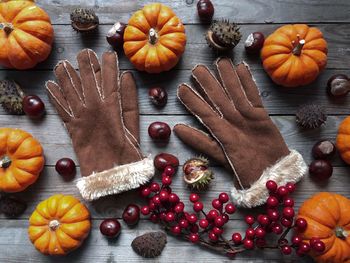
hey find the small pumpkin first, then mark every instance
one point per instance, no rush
(154, 39)
(21, 160)
(294, 55)
(59, 225)
(328, 217)
(26, 34)
(343, 140)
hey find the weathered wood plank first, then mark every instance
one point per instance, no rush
(57, 144)
(97, 248)
(68, 43)
(253, 11)
(276, 100)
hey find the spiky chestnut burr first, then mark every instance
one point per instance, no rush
(311, 116)
(84, 20)
(197, 173)
(223, 35)
(11, 97)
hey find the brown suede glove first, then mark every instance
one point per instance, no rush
(101, 115)
(245, 138)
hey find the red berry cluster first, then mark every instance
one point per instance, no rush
(207, 228)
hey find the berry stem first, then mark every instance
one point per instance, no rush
(285, 233)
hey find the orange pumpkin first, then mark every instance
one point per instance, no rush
(328, 217)
(154, 39)
(26, 34)
(294, 55)
(21, 160)
(59, 225)
(343, 140)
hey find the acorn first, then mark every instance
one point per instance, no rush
(223, 35)
(197, 173)
(84, 20)
(11, 97)
(311, 116)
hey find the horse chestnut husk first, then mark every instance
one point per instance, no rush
(338, 85)
(323, 149)
(321, 169)
(159, 131)
(163, 160)
(115, 36)
(254, 42)
(205, 10)
(110, 227)
(33, 106)
(131, 215)
(158, 96)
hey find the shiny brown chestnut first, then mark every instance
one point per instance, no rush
(163, 160)
(115, 36)
(338, 85)
(323, 149)
(158, 96)
(131, 215)
(321, 169)
(205, 10)
(159, 131)
(254, 42)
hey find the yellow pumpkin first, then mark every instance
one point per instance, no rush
(59, 225)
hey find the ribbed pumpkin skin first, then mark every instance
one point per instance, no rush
(73, 225)
(27, 159)
(343, 140)
(290, 70)
(166, 52)
(325, 212)
(30, 41)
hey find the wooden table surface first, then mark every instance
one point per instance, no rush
(332, 17)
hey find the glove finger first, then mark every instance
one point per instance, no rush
(110, 73)
(213, 91)
(59, 101)
(90, 74)
(129, 105)
(249, 84)
(232, 84)
(200, 141)
(70, 84)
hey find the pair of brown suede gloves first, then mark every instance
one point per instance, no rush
(100, 110)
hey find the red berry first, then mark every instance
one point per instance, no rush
(173, 198)
(250, 233)
(301, 224)
(154, 187)
(166, 180)
(277, 229)
(237, 238)
(110, 227)
(192, 218)
(272, 202)
(223, 198)
(213, 237)
(230, 208)
(145, 210)
(288, 202)
(219, 221)
(65, 167)
(216, 204)
(170, 217)
(198, 206)
(193, 237)
(163, 196)
(194, 198)
(162, 216)
(194, 229)
(250, 220)
(282, 191)
(304, 247)
(159, 131)
(225, 217)
(131, 214)
(183, 223)
(291, 187)
(288, 212)
(286, 250)
(154, 218)
(169, 170)
(33, 106)
(319, 246)
(271, 186)
(248, 244)
(286, 222)
(260, 232)
(179, 208)
(212, 215)
(273, 214)
(151, 205)
(145, 192)
(263, 220)
(217, 230)
(176, 230)
(156, 200)
(203, 223)
(296, 240)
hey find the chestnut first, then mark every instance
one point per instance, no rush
(110, 227)
(323, 149)
(66, 168)
(321, 169)
(131, 214)
(158, 96)
(159, 131)
(33, 106)
(205, 10)
(254, 43)
(338, 85)
(115, 36)
(163, 160)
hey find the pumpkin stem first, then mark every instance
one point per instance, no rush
(340, 232)
(5, 162)
(153, 36)
(54, 224)
(7, 27)
(297, 49)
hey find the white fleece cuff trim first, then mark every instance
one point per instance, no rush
(290, 168)
(116, 180)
